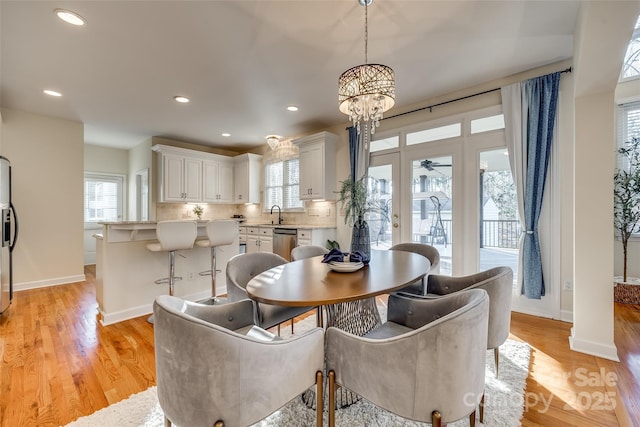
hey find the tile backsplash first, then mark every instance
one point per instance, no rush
(316, 213)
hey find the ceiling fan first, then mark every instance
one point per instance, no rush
(430, 165)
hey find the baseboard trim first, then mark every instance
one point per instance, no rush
(605, 351)
(141, 310)
(119, 316)
(566, 316)
(48, 282)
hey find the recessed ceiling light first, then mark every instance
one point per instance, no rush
(69, 17)
(226, 135)
(182, 99)
(52, 92)
(292, 108)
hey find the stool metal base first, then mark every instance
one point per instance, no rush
(213, 301)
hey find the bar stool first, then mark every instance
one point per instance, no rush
(219, 233)
(173, 236)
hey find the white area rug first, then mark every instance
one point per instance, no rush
(504, 401)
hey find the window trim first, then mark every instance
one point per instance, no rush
(266, 206)
(119, 179)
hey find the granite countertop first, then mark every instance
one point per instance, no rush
(244, 224)
(290, 226)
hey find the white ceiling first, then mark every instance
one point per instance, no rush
(243, 62)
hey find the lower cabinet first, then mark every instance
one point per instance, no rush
(259, 239)
(315, 236)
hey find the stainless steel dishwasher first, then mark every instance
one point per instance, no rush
(284, 239)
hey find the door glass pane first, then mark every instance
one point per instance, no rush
(432, 205)
(499, 224)
(379, 219)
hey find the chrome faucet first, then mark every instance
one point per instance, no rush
(279, 213)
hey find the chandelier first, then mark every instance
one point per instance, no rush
(273, 141)
(366, 91)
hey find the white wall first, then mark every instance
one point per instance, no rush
(47, 159)
(106, 160)
(140, 159)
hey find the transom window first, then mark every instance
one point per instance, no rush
(434, 134)
(282, 179)
(631, 66)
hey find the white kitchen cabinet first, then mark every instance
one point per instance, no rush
(247, 178)
(315, 236)
(317, 166)
(180, 180)
(193, 176)
(217, 181)
(259, 239)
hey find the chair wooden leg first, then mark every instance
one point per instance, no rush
(292, 326)
(332, 398)
(167, 422)
(496, 356)
(436, 419)
(482, 409)
(319, 398)
(278, 329)
(472, 419)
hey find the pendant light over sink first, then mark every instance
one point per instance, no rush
(366, 91)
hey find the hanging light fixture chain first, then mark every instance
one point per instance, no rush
(366, 33)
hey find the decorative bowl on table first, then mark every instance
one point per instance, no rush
(345, 267)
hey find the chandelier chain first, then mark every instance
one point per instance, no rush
(366, 33)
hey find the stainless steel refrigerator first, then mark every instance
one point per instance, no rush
(9, 235)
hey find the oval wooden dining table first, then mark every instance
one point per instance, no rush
(310, 282)
(349, 298)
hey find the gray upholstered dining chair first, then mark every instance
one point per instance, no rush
(244, 267)
(216, 368)
(426, 251)
(498, 283)
(425, 363)
(307, 251)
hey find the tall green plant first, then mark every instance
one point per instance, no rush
(626, 195)
(354, 199)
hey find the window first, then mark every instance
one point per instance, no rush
(282, 185)
(631, 65)
(434, 134)
(384, 144)
(103, 197)
(628, 122)
(487, 124)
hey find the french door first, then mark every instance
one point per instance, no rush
(384, 222)
(431, 177)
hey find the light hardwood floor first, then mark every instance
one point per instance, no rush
(57, 364)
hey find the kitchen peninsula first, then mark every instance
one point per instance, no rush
(126, 270)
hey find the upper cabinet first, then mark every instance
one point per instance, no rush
(247, 178)
(317, 166)
(193, 176)
(180, 178)
(217, 181)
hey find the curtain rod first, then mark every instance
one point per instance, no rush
(430, 107)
